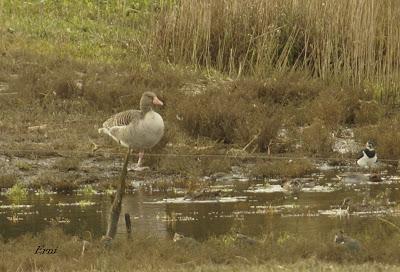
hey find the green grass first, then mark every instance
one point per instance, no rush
(23, 166)
(17, 193)
(85, 30)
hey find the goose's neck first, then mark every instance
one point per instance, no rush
(145, 108)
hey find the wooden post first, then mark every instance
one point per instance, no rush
(116, 206)
(128, 225)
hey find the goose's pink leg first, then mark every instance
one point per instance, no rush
(139, 163)
(138, 166)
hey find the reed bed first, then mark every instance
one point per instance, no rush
(347, 41)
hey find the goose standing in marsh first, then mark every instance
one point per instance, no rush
(367, 156)
(137, 129)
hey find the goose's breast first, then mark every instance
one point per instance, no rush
(148, 132)
(153, 123)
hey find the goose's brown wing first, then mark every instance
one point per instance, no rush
(123, 118)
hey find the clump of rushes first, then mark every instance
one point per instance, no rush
(237, 111)
(218, 121)
(329, 109)
(369, 113)
(269, 130)
(88, 190)
(8, 180)
(84, 203)
(283, 168)
(317, 138)
(67, 164)
(210, 166)
(23, 166)
(179, 165)
(17, 193)
(54, 182)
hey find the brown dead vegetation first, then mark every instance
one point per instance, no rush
(283, 168)
(148, 253)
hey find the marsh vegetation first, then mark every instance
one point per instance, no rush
(255, 92)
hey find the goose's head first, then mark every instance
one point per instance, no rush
(148, 100)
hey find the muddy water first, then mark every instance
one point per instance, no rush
(263, 207)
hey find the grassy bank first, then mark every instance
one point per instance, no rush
(149, 253)
(290, 75)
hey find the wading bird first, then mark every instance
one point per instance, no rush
(137, 129)
(367, 156)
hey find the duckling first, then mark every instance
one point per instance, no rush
(245, 240)
(184, 241)
(106, 241)
(368, 156)
(346, 241)
(292, 186)
(203, 194)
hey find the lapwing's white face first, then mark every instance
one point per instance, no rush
(369, 146)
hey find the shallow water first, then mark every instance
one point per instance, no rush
(264, 207)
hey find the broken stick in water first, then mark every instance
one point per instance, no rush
(116, 206)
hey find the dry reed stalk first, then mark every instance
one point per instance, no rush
(349, 41)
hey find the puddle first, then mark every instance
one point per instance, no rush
(262, 189)
(320, 189)
(183, 200)
(255, 208)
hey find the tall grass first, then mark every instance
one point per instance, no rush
(278, 251)
(347, 40)
(350, 41)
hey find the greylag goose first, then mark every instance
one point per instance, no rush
(137, 129)
(367, 156)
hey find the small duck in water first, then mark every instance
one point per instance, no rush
(367, 156)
